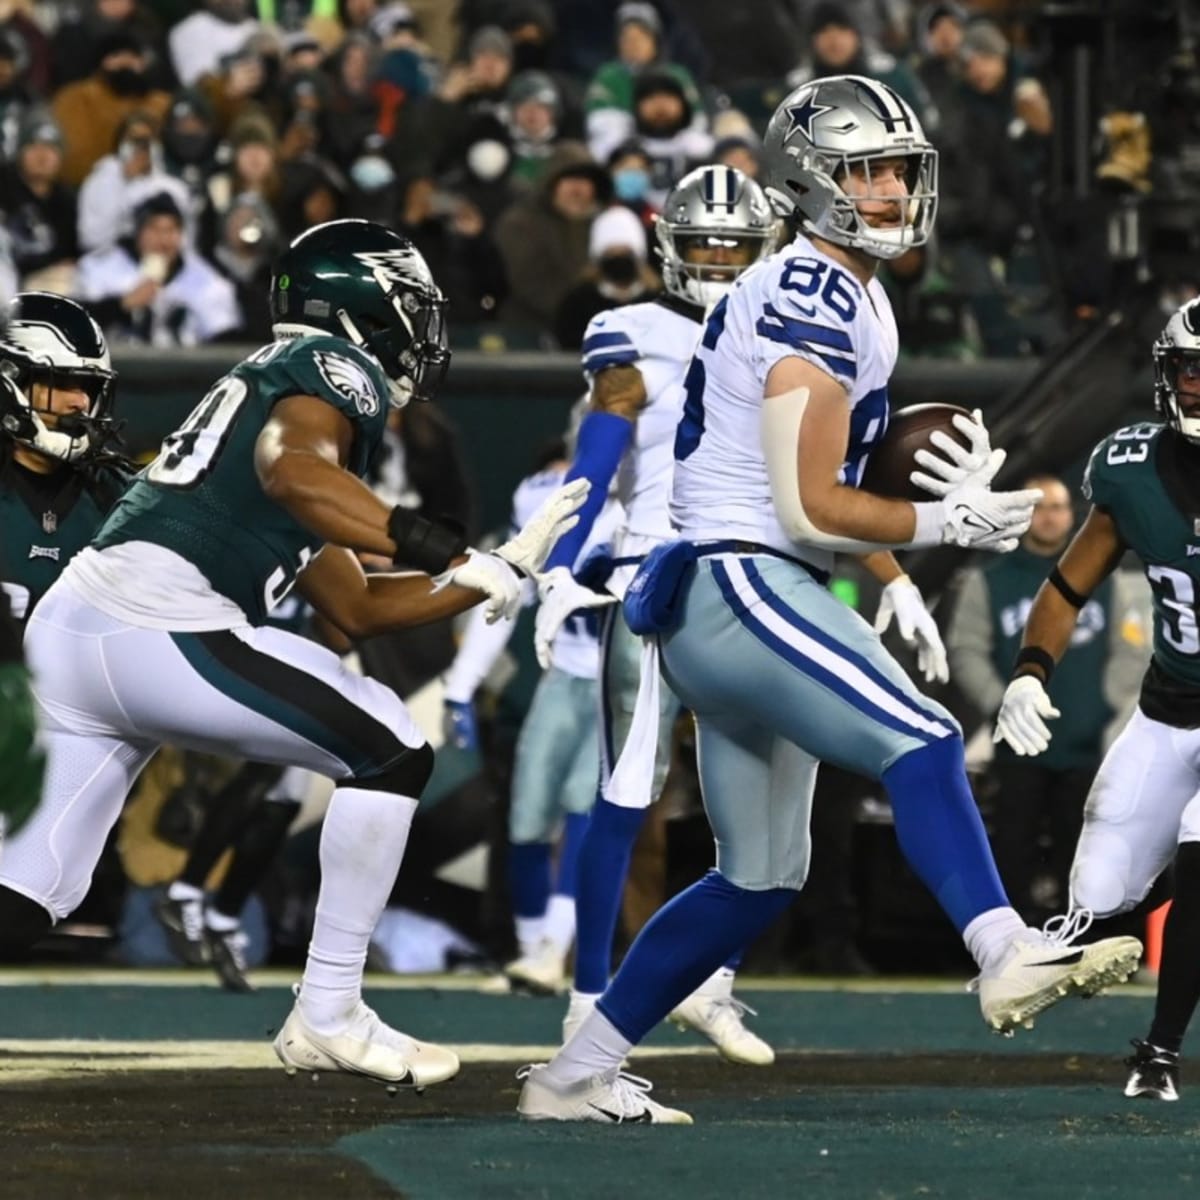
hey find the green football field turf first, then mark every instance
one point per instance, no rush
(160, 1084)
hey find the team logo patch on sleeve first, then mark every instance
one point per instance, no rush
(349, 381)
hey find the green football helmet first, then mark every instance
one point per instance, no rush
(370, 285)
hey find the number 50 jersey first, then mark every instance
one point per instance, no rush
(799, 303)
(201, 498)
(1145, 478)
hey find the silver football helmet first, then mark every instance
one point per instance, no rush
(53, 341)
(722, 212)
(830, 128)
(1177, 350)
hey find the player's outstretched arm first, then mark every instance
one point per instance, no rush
(618, 395)
(363, 605)
(1091, 557)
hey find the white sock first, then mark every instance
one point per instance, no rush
(362, 845)
(220, 922)
(989, 936)
(184, 891)
(594, 1048)
(719, 985)
(529, 933)
(559, 927)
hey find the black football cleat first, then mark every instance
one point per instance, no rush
(183, 921)
(227, 953)
(1153, 1073)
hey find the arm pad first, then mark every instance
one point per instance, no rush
(430, 546)
(780, 433)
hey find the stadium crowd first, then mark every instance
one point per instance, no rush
(154, 158)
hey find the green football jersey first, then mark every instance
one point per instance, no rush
(1147, 479)
(201, 497)
(45, 520)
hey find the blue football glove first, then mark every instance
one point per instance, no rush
(458, 725)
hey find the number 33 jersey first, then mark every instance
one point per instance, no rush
(799, 303)
(201, 501)
(1147, 479)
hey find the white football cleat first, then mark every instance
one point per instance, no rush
(366, 1046)
(721, 1019)
(1042, 968)
(579, 1007)
(614, 1098)
(542, 971)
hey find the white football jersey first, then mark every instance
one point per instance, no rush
(801, 303)
(576, 649)
(659, 339)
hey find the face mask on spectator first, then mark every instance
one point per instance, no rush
(631, 184)
(127, 81)
(372, 173)
(621, 269)
(188, 148)
(488, 159)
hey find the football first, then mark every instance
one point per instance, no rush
(908, 431)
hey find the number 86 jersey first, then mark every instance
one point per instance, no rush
(201, 499)
(799, 303)
(1145, 477)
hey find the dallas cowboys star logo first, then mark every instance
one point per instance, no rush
(803, 115)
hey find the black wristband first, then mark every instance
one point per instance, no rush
(1064, 589)
(1035, 656)
(430, 546)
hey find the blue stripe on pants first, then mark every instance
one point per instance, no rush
(797, 659)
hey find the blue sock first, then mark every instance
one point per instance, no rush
(940, 831)
(574, 828)
(683, 944)
(529, 877)
(599, 885)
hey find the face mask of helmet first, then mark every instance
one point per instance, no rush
(1177, 389)
(67, 436)
(414, 355)
(908, 219)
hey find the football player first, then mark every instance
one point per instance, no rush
(715, 224)
(155, 632)
(555, 764)
(1144, 805)
(58, 477)
(784, 400)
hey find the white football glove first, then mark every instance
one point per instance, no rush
(979, 519)
(959, 466)
(560, 596)
(902, 599)
(530, 548)
(1021, 721)
(488, 574)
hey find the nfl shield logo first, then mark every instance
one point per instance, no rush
(50, 522)
(1196, 526)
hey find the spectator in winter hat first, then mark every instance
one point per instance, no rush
(617, 274)
(611, 96)
(39, 210)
